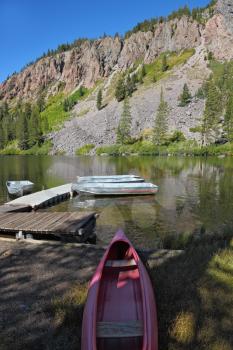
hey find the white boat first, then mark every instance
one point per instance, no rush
(110, 179)
(118, 189)
(19, 188)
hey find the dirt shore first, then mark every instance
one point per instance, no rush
(43, 288)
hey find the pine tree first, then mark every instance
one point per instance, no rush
(161, 122)
(124, 127)
(228, 122)
(185, 97)
(22, 131)
(45, 124)
(212, 113)
(34, 128)
(142, 74)
(130, 85)
(2, 140)
(99, 99)
(120, 91)
(164, 64)
(41, 103)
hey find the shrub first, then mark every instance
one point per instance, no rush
(84, 150)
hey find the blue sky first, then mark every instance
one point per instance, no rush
(30, 27)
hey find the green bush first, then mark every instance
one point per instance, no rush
(84, 150)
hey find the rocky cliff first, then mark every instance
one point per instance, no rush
(94, 60)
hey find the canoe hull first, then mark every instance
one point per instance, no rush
(120, 296)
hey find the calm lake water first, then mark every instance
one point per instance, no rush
(195, 195)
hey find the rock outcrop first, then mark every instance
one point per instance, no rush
(96, 60)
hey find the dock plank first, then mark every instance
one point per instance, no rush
(60, 224)
(37, 199)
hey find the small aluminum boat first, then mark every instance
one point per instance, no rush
(117, 189)
(19, 188)
(110, 179)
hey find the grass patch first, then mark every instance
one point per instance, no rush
(67, 314)
(194, 298)
(154, 70)
(84, 150)
(83, 112)
(54, 112)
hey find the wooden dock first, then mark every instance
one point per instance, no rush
(76, 227)
(37, 200)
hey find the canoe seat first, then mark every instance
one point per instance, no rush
(119, 329)
(120, 263)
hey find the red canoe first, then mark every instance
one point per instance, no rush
(120, 312)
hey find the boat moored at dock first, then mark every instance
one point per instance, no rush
(118, 189)
(19, 188)
(110, 179)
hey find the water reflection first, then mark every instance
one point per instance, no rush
(195, 195)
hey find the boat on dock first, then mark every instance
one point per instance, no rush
(110, 179)
(115, 189)
(19, 188)
(120, 312)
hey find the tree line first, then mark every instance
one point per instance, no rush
(195, 14)
(23, 124)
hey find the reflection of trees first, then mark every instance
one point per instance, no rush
(215, 204)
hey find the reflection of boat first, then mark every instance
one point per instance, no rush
(118, 189)
(19, 188)
(120, 311)
(110, 178)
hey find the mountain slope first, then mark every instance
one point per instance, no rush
(99, 63)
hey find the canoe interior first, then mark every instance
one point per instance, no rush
(120, 302)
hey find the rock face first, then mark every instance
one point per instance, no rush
(96, 60)
(218, 33)
(99, 127)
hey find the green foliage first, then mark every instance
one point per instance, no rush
(53, 114)
(210, 56)
(164, 63)
(182, 11)
(161, 122)
(22, 131)
(72, 100)
(123, 130)
(200, 93)
(120, 91)
(196, 14)
(153, 71)
(185, 97)
(130, 85)
(142, 74)
(34, 128)
(99, 99)
(181, 148)
(228, 127)
(177, 136)
(213, 108)
(84, 150)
